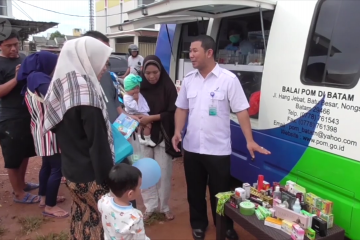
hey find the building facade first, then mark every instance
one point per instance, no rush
(111, 13)
(6, 9)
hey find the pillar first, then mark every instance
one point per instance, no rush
(136, 40)
(113, 44)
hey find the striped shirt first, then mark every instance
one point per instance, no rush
(45, 144)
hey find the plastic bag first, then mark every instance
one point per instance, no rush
(137, 149)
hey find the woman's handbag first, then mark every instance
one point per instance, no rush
(122, 147)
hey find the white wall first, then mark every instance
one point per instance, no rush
(100, 20)
(9, 9)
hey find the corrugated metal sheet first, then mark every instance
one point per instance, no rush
(122, 47)
(145, 49)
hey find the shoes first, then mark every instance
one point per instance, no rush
(147, 141)
(198, 234)
(141, 141)
(231, 234)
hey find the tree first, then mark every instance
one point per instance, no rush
(56, 34)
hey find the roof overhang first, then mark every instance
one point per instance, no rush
(131, 33)
(26, 28)
(208, 8)
(171, 19)
(177, 11)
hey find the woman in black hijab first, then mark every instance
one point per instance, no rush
(160, 93)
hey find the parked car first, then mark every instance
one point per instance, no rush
(118, 64)
(123, 55)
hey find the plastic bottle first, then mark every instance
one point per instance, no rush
(277, 193)
(296, 206)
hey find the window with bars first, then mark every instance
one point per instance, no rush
(3, 8)
(145, 2)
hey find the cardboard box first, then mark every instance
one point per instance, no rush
(259, 215)
(266, 185)
(241, 193)
(291, 216)
(310, 234)
(327, 207)
(311, 199)
(297, 232)
(265, 212)
(286, 226)
(310, 215)
(235, 201)
(328, 218)
(273, 222)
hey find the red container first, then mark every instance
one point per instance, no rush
(260, 182)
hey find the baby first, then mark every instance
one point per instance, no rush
(120, 220)
(135, 104)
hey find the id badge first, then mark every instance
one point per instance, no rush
(212, 111)
(213, 106)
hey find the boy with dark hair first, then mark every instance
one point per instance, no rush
(120, 219)
(98, 35)
(15, 121)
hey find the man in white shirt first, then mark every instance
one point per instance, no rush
(207, 94)
(135, 61)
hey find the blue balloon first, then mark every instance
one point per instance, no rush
(150, 170)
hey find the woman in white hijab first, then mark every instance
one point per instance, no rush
(76, 112)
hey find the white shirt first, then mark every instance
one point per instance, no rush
(207, 134)
(119, 222)
(135, 63)
(132, 107)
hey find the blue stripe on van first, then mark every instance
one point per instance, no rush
(163, 46)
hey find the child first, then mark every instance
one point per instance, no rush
(135, 104)
(120, 220)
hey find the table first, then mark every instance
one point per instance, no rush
(260, 231)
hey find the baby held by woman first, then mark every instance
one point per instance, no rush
(135, 104)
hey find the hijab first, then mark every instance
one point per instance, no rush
(36, 70)
(161, 98)
(75, 81)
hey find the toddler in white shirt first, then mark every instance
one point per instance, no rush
(135, 104)
(120, 220)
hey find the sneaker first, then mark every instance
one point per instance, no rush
(149, 142)
(142, 141)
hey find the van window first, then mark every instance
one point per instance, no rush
(248, 28)
(189, 31)
(246, 49)
(332, 58)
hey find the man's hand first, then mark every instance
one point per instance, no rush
(254, 147)
(175, 141)
(17, 70)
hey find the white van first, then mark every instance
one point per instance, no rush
(309, 113)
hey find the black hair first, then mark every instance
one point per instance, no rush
(13, 34)
(98, 35)
(207, 43)
(232, 31)
(122, 178)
